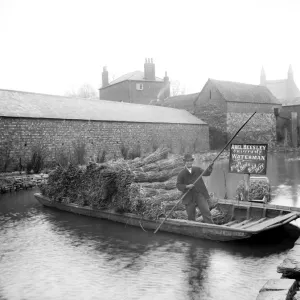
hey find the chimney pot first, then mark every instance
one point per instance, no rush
(149, 69)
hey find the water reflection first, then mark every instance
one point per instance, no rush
(198, 260)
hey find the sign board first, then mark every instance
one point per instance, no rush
(248, 158)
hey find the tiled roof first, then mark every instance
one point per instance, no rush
(295, 101)
(242, 92)
(181, 101)
(32, 105)
(231, 92)
(136, 75)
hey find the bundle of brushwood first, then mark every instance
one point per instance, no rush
(143, 186)
(218, 216)
(259, 189)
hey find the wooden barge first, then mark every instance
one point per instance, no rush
(247, 219)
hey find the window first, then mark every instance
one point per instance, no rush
(139, 86)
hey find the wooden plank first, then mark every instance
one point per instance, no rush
(274, 221)
(248, 212)
(260, 205)
(242, 223)
(253, 223)
(232, 212)
(230, 223)
(257, 200)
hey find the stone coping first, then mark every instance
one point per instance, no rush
(278, 289)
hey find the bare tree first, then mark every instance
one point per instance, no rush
(85, 91)
(112, 77)
(177, 88)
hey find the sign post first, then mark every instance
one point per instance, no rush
(248, 159)
(246, 186)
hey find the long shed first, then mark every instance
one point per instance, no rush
(57, 122)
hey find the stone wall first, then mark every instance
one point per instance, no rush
(260, 129)
(21, 134)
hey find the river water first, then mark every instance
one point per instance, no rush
(49, 254)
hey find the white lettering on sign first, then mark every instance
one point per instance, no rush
(247, 157)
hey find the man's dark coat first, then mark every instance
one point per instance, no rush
(185, 177)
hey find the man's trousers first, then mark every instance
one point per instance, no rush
(200, 201)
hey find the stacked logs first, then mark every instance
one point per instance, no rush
(144, 186)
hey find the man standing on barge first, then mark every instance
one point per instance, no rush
(198, 194)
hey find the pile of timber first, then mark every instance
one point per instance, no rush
(144, 186)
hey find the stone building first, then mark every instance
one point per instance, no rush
(285, 90)
(28, 119)
(225, 106)
(136, 87)
(288, 125)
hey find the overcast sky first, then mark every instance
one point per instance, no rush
(57, 45)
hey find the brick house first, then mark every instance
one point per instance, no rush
(27, 119)
(135, 87)
(285, 90)
(225, 106)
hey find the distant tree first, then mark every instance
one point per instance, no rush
(85, 91)
(112, 77)
(177, 88)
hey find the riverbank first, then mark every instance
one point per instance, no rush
(287, 287)
(14, 182)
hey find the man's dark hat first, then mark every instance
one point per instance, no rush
(188, 157)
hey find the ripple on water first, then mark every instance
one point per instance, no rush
(47, 254)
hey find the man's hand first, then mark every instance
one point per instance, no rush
(189, 186)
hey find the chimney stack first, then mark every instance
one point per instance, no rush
(149, 69)
(167, 86)
(105, 77)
